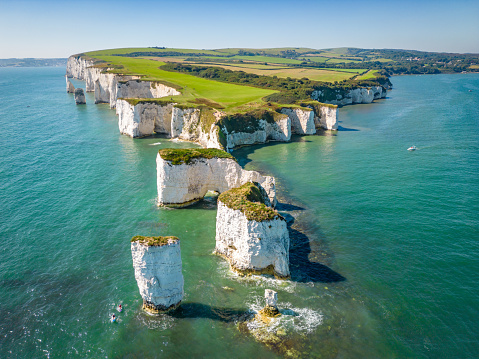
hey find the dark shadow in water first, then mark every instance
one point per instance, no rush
(302, 269)
(341, 128)
(208, 202)
(242, 153)
(288, 207)
(199, 310)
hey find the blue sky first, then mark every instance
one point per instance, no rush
(57, 28)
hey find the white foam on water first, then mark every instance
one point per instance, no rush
(155, 321)
(292, 319)
(156, 143)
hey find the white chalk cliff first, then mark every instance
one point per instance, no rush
(358, 95)
(148, 117)
(278, 130)
(328, 119)
(158, 273)
(251, 246)
(302, 121)
(108, 87)
(144, 119)
(183, 184)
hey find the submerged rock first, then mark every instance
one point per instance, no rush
(158, 272)
(253, 237)
(80, 97)
(266, 328)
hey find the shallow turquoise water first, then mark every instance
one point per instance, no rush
(384, 241)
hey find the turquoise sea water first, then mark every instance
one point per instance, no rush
(384, 241)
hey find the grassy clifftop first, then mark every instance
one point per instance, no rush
(250, 201)
(234, 80)
(155, 241)
(185, 156)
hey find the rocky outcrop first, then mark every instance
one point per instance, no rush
(70, 87)
(278, 129)
(76, 67)
(328, 118)
(253, 237)
(80, 96)
(184, 176)
(302, 121)
(144, 89)
(145, 117)
(354, 96)
(157, 264)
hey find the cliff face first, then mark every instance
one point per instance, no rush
(302, 121)
(76, 67)
(359, 95)
(158, 274)
(144, 89)
(146, 118)
(250, 246)
(143, 119)
(183, 184)
(279, 130)
(328, 119)
(109, 87)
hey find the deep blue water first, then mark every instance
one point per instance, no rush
(384, 242)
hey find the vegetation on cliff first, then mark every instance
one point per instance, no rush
(249, 199)
(179, 156)
(155, 241)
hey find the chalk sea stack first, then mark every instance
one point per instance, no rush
(185, 175)
(80, 97)
(70, 87)
(252, 236)
(157, 264)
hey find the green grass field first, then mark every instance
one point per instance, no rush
(231, 98)
(239, 66)
(191, 87)
(317, 58)
(371, 74)
(337, 61)
(294, 72)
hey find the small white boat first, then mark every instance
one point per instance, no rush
(412, 148)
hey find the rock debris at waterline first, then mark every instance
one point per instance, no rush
(182, 184)
(158, 272)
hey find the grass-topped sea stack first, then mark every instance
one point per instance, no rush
(185, 175)
(251, 235)
(157, 264)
